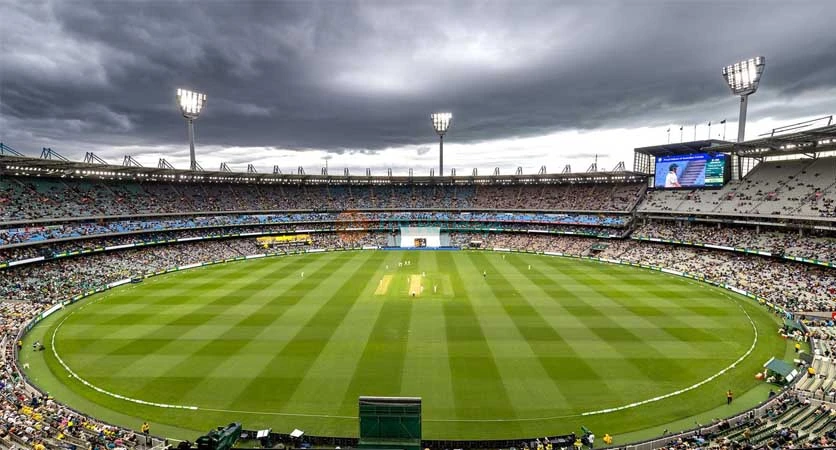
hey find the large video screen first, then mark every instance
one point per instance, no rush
(690, 171)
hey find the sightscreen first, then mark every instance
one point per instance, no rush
(420, 237)
(390, 423)
(691, 171)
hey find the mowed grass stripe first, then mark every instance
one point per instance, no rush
(478, 388)
(661, 318)
(620, 371)
(141, 309)
(552, 376)
(97, 356)
(427, 364)
(679, 291)
(570, 319)
(690, 327)
(275, 330)
(277, 381)
(332, 372)
(668, 370)
(380, 368)
(147, 308)
(383, 355)
(589, 286)
(168, 329)
(212, 345)
(186, 281)
(179, 288)
(691, 300)
(658, 339)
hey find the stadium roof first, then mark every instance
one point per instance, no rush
(807, 142)
(681, 148)
(60, 167)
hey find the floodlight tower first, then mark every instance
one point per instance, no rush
(190, 103)
(441, 123)
(743, 79)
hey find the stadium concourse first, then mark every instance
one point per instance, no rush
(66, 229)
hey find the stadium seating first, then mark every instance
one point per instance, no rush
(87, 229)
(29, 416)
(813, 247)
(26, 198)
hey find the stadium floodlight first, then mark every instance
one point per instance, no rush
(743, 79)
(441, 123)
(191, 104)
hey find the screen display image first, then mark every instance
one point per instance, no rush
(690, 171)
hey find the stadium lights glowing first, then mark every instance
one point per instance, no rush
(441, 123)
(191, 104)
(743, 79)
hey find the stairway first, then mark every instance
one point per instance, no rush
(692, 172)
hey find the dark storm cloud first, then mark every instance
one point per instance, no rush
(363, 76)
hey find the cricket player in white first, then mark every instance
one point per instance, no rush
(671, 180)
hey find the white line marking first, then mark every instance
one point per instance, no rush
(98, 389)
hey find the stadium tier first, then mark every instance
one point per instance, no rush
(65, 234)
(813, 246)
(26, 199)
(383, 220)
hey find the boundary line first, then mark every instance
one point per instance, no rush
(330, 416)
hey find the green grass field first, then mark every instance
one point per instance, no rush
(523, 351)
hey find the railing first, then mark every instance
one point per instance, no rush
(797, 126)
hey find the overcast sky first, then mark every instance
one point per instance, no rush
(295, 83)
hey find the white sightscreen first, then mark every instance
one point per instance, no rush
(412, 237)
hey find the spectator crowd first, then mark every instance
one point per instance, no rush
(88, 229)
(31, 419)
(28, 198)
(810, 245)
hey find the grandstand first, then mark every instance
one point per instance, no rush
(791, 177)
(35, 188)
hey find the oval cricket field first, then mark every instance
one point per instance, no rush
(498, 345)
